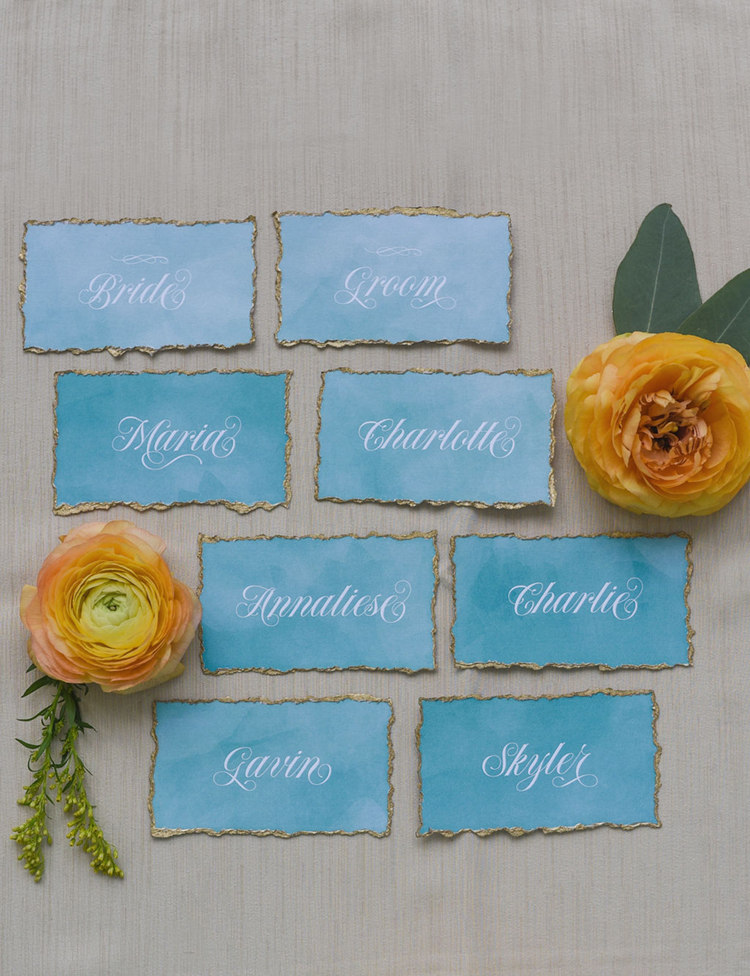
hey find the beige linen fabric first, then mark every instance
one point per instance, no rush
(574, 116)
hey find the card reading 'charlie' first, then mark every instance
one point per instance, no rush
(297, 604)
(257, 767)
(151, 440)
(550, 764)
(394, 276)
(143, 284)
(611, 601)
(481, 439)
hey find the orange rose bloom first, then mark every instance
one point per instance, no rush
(105, 609)
(661, 422)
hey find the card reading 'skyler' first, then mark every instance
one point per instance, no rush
(481, 439)
(152, 440)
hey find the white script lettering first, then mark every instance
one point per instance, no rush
(244, 769)
(108, 289)
(263, 602)
(565, 769)
(160, 440)
(533, 598)
(360, 284)
(499, 440)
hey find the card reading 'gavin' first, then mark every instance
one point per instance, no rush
(152, 440)
(285, 768)
(393, 277)
(551, 764)
(611, 601)
(481, 439)
(289, 604)
(142, 284)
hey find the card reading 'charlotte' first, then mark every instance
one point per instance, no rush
(550, 764)
(144, 284)
(152, 440)
(393, 276)
(611, 601)
(257, 767)
(481, 439)
(297, 604)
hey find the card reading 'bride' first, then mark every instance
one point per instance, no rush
(299, 604)
(612, 601)
(311, 766)
(137, 284)
(152, 440)
(549, 763)
(393, 276)
(481, 439)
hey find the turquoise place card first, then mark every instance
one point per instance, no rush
(395, 276)
(611, 601)
(284, 604)
(301, 766)
(481, 439)
(548, 763)
(137, 284)
(153, 440)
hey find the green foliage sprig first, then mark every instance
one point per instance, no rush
(58, 770)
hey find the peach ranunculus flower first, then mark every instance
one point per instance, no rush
(105, 609)
(661, 422)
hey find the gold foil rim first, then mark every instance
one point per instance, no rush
(204, 539)
(167, 832)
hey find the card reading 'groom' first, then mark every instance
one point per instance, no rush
(289, 767)
(137, 284)
(551, 764)
(481, 439)
(151, 440)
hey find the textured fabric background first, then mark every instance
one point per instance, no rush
(576, 117)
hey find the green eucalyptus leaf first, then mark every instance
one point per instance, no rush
(725, 316)
(656, 287)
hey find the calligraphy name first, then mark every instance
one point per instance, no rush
(378, 435)
(564, 769)
(360, 284)
(108, 289)
(270, 608)
(244, 769)
(162, 443)
(531, 598)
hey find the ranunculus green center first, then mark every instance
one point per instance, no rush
(110, 604)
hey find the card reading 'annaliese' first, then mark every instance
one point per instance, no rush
(551, 764)
(151, 440)
(287, 604)
(611, 601)
(393, 277)
(144, 284)
(257, 767)
(481, 439)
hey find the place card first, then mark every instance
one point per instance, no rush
(395, 276)
(137, 284)
(575, 601)
(481, 439)
(299, 766)
(550, 763)
(153, 440)
(319, 603)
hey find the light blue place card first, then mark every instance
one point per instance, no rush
(550, 764)
(302, 766)
(152, 440)
(481, 439)
(297, 604)
(393, 276)
(611, 601)
(137, 284)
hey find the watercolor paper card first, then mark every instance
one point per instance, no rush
(311, 766)
(297, 604)
(137, 284)
(550, 764)
(393, 276)
(481, 439)
(153, 440)
(611, 601)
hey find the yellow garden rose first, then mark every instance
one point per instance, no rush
(661, 422)
(107, 610)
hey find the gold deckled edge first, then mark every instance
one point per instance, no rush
(240, 507)
(498, 665)
(427, 501)
(409, 212)
(166, 832)
(208, 539)
(117, 351)
(520, 831)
